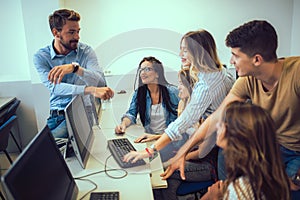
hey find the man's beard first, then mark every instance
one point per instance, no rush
(69, 45)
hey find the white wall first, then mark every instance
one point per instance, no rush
(122, 32)
(14, 63)
(295, 39)
(104, 21)
(21, 35)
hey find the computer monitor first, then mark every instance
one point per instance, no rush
(80, 130)
(40, 172)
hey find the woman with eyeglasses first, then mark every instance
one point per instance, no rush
(156, 102)
(212, 83)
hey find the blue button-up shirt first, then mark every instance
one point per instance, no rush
(72, 84)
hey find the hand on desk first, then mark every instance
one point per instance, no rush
(146, 137)
(120, 129)
(134, 156)
(103, 93)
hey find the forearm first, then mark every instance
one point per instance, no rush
(194, 140)
(92, 78)
(163, 141)
(126, 122)
(193, 155)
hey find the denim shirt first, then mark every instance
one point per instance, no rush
(72, 84)
(170, 117)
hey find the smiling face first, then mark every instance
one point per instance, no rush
(147, 73)
(184, 54)
(68, 37)
(242, 63)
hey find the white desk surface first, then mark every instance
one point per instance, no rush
(5, 100)
(137, 184)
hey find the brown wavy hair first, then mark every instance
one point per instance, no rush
(252, 151)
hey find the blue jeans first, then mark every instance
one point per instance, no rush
(171, 149)
(58, 127)
(291, 160)
(221, 165)
(194, 170)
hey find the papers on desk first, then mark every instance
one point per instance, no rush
(156, 171)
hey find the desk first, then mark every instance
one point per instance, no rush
(4, 102)
(137, 184)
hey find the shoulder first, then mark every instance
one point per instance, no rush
(172, 88)
(43, 53)
(291, 63)
(82, 47)
(43, 50)
(241, 187)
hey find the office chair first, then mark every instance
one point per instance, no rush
(4, 135)
(1, 195)
(9, 113)
(187, 187)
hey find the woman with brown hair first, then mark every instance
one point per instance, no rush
(252, 158)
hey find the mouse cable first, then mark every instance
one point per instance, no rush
(91, 190)
(108, 170)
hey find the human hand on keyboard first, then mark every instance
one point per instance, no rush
(134, 156)
(146, 137)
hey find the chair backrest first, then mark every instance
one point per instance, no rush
(4, 132)
(11, 110)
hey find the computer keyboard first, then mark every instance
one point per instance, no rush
(114, 195)
(120, 147)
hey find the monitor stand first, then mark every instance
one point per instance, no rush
(69, 151)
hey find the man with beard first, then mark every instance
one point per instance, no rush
(68, 68)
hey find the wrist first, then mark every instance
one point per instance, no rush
(90, 90)
(75, 67)
(149, 152)
(153, 148)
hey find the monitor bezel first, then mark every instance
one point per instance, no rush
(74, 136)
(23, 157)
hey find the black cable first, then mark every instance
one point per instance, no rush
(108, 170)
(93, 183)
(81, 178)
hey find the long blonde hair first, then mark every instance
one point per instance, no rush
(252, 151)
(202, 49)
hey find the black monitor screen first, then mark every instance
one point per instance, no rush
(79, 128)
(40, 172)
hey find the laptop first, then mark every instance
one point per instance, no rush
(40, 172)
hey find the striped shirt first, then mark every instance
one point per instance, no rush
(240, 189)
(207, 95)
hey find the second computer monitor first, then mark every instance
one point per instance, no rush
(40, 172)
(79, 128)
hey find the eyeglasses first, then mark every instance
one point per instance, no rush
(146, 69)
